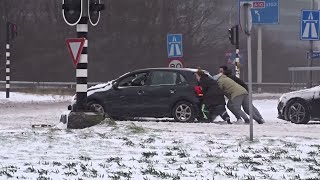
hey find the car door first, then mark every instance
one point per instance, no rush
(316, 104)
(161, 92)
(127, 97)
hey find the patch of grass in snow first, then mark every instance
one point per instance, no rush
(181, 169)
(119, 174)
(69, 165)
(114, 159)
(171, 160)
(314, 169)
(290, 170)
(108, 122)
(210, 142)
(168, 153)
(177, 142)
(157, 173)
(136, 129)
(43, 178)
(129, 143)
(8, 171)
(149, 140)
(199, 163)
(248, 177)
(313, 153)
(257, 156)
(84, 158)
(290, 145)
(30, 170)
(248, 160)
(149, 154)
(294, 158)
(183, 153)
(188, 161)
(230, 174)
(55, 163)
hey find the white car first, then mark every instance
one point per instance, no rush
(301, 106)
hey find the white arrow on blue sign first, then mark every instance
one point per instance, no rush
(174, 45)
(263, 11)
(309, 25)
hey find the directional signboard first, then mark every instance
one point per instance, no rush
(309, 25)
(313, 55)
(174, 45)
(75, 46)
(263, 11)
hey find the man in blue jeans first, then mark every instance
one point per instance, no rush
(256, 114)
(238, 96)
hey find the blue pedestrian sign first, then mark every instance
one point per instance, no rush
(309, 25)
(263, 11)
(174, 45)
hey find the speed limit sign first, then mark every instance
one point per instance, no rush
(175, 63)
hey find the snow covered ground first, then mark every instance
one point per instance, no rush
(152, 150)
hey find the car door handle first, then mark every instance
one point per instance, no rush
(172, 91)
(140, 92)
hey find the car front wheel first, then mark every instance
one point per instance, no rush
(183, 112)
(297, 112)
(96, 107)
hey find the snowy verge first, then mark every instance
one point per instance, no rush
(27, 97)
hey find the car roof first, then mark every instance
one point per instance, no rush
(167, 69)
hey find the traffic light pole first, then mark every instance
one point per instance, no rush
(237, 65)
(82, 66)
(8, 62)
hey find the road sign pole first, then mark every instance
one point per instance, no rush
(82, 66)
(237, 64)
(250, 85)
(259, 58)
(8, 61)
(309, 84)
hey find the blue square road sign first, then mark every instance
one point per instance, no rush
(174, 45)
(309, 25)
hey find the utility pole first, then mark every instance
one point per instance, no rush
(259, 59)
(310, 63)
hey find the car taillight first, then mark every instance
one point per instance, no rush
(198, 91)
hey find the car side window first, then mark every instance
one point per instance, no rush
(138, 79)
(163, 78)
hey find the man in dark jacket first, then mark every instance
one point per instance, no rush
(213, 96)
(226, 71)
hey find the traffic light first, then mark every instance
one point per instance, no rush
(94, 11)
(232, 35)
(72, 11)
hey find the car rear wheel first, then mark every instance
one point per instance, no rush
(183, 112)
(297, 112)
(96, 107)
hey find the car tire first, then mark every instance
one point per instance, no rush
(96, 107)
(297, 112)
(183, 111)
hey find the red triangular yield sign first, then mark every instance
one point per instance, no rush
(75, 46)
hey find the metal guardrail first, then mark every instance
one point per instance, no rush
(266, 87)
(30, 84)
(303, 77)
